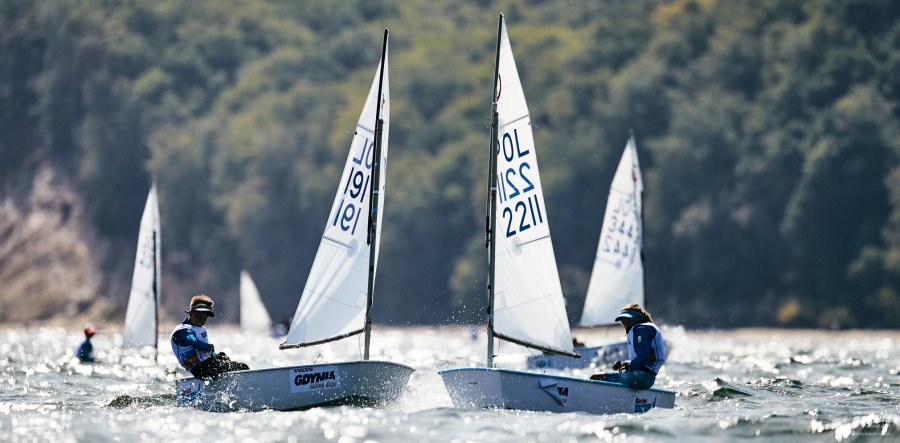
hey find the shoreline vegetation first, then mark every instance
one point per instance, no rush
(768, 133)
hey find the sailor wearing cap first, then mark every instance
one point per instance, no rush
(85, 351)
(191, 345)
(646, 350)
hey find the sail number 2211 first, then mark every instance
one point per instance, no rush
(516, 184)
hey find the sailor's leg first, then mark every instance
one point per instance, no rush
(615, 377)
(638, 379)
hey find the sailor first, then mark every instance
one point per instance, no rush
(646, 350)
(85, 351)
(192, 347)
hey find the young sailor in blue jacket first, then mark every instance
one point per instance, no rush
(646, 349)
(192, 347)
(85, 351)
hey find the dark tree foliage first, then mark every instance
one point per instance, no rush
(767, 131)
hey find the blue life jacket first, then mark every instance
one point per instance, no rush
(85, 352)
(190, 344)
(646, 347)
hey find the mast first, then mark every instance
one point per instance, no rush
(155, 299)
(156, 273)
(373, 198)
(641, 194)
(492, 202)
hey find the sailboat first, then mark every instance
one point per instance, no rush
(337, 298)
(254, 316)
(525, 301)
(141, 316)
(618, 275)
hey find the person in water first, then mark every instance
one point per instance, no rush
(85, 351)
(646, 349)
(192, 347)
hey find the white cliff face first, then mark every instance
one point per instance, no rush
(49, 255)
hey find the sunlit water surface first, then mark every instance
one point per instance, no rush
(770, 385)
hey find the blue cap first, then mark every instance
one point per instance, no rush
(630, 313)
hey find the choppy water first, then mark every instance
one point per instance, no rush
(769, 385)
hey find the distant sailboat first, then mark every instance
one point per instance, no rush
(141, 317)
(618, 276)
(254, 316)
(525, 297)
(338, 295)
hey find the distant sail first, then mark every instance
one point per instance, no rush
(333, 303)
(528, 302)
(254, 316)
(618, 276)
(143, 302)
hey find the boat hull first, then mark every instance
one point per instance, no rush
(289, 388)
(505, 389)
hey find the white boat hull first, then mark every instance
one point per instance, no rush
(505, 389)
(288, 388)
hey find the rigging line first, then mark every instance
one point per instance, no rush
(507, 123)
(533, 240)
(614, 262)
(625, 193)
(338, 242)
(365, 128)
(540, 368)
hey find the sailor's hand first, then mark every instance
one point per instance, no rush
(212, 348)
(618, 366)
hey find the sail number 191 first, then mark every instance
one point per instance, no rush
(354, 196)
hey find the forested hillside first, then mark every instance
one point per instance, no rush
(768, 134)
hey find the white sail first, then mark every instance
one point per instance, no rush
(618, 276)
(254, 316)
(528, 301)
(333, 303)
(140, 318)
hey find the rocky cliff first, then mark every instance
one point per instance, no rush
(50, 257)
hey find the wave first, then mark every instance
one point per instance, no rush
(127, 401)
(727, 390)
